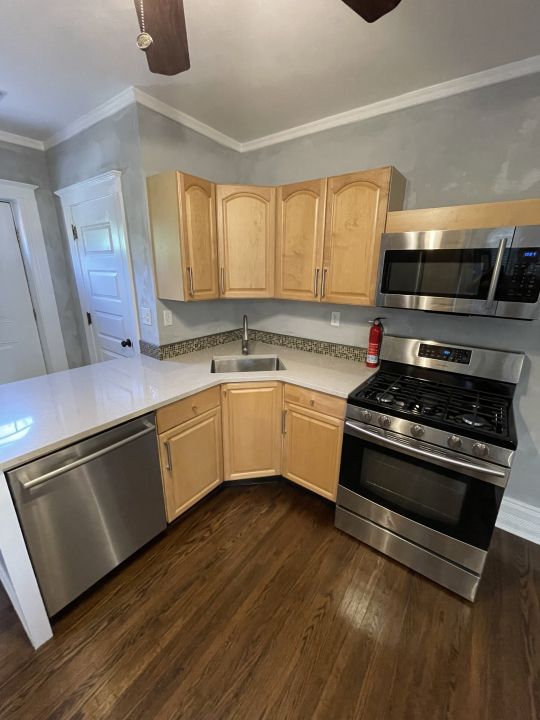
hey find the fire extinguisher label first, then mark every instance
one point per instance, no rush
(372, 359)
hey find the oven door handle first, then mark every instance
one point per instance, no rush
(496, 477)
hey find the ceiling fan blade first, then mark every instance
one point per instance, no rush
(166, 23)
(372, 10)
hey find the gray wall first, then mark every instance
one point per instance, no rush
(166, 145)
(27, 165)
(113, 144)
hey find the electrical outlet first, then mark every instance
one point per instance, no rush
(335, 319)
(146, 315)
(167, 317)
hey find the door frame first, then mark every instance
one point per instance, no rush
(22, 198)
(109, 183)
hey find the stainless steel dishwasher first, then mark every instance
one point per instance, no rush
(86, 508)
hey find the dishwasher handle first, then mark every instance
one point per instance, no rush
(81, 461)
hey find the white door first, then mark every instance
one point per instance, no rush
(102, 269)
(21, 355)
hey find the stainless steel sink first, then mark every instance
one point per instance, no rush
(246, 363)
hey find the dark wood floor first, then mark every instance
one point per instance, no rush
(254, 606)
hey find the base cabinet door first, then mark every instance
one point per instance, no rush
(251, 429)
(312, 449)
(191, 461)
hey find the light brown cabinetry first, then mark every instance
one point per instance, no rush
(183, 227)
(356, 207)
(246, 240)
(190, 452)
(251, 429)
(300, 240)
(312, 439)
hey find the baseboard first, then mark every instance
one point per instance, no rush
(520, 519)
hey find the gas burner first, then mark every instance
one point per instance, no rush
(395, 387)
(399, 403)
(474, 421)
(429, 404)
(385, 398)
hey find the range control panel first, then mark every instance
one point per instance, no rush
(443, 352)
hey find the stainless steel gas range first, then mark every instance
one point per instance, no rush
(428, 445)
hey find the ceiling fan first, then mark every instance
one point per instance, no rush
(163, 35)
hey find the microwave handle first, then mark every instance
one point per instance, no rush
(496, 273)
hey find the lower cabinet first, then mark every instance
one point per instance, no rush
(251, 429)
(191, 461)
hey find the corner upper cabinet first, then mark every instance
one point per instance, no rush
(183, 226)
(246, 240)
(356, 207)
(300, 240)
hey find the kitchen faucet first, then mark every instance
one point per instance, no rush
(245, 338)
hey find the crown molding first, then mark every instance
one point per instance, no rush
(21, 140)
(428, 94)
(105, 110)
(187, 120)
(495, 75)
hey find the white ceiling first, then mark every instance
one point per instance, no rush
(257, 66)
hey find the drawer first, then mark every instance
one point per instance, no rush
(321, 402)
(177, 413)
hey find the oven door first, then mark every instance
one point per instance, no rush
(437, 499)
(445, 271)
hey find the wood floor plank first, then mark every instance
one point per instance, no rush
(254, 607)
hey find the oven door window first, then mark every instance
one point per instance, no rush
(445, 500)
(457, 273)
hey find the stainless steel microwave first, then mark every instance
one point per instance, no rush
(493, 271)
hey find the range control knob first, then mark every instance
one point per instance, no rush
(480, 449)
(366, 416)
(454, 442)
(417, 431)
(384, 421)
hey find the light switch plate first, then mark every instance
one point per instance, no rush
(335, 319)
(146, 315)
(167, 317)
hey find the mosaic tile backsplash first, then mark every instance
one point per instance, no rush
(182, 347)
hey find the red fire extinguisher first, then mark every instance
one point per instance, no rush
(375, 341)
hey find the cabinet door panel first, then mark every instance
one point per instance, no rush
(191, 461)
(299, 239)
(198, 202)
(246, 234)
(355, 219)
(251, 429)
(312, 450)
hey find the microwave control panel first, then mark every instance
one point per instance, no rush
(520, 281)
(443, 352)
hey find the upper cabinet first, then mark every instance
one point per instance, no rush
(300, 239)
(246, 235)
(183, 226)
(356, 207)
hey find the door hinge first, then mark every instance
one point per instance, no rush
(89, 318)
(74, 231)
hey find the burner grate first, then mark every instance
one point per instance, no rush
(464, 409)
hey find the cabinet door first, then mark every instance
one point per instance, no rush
(299, 239)
(356, 208)
(182, 212)
(198, 210)
(312, 449)
(246, 240)
(251, 429)
(191, 461)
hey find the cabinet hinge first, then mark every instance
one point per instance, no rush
(89, 318)
(74, 231)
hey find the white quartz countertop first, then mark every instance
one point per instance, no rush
(45, 413)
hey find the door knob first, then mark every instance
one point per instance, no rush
(126, 343)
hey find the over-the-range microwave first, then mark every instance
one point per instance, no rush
(493, 271)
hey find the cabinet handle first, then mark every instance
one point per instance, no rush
(323, 288)
(222, 280)
(169, 456)
(284, 422)
(191, 290)
(316, 282)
